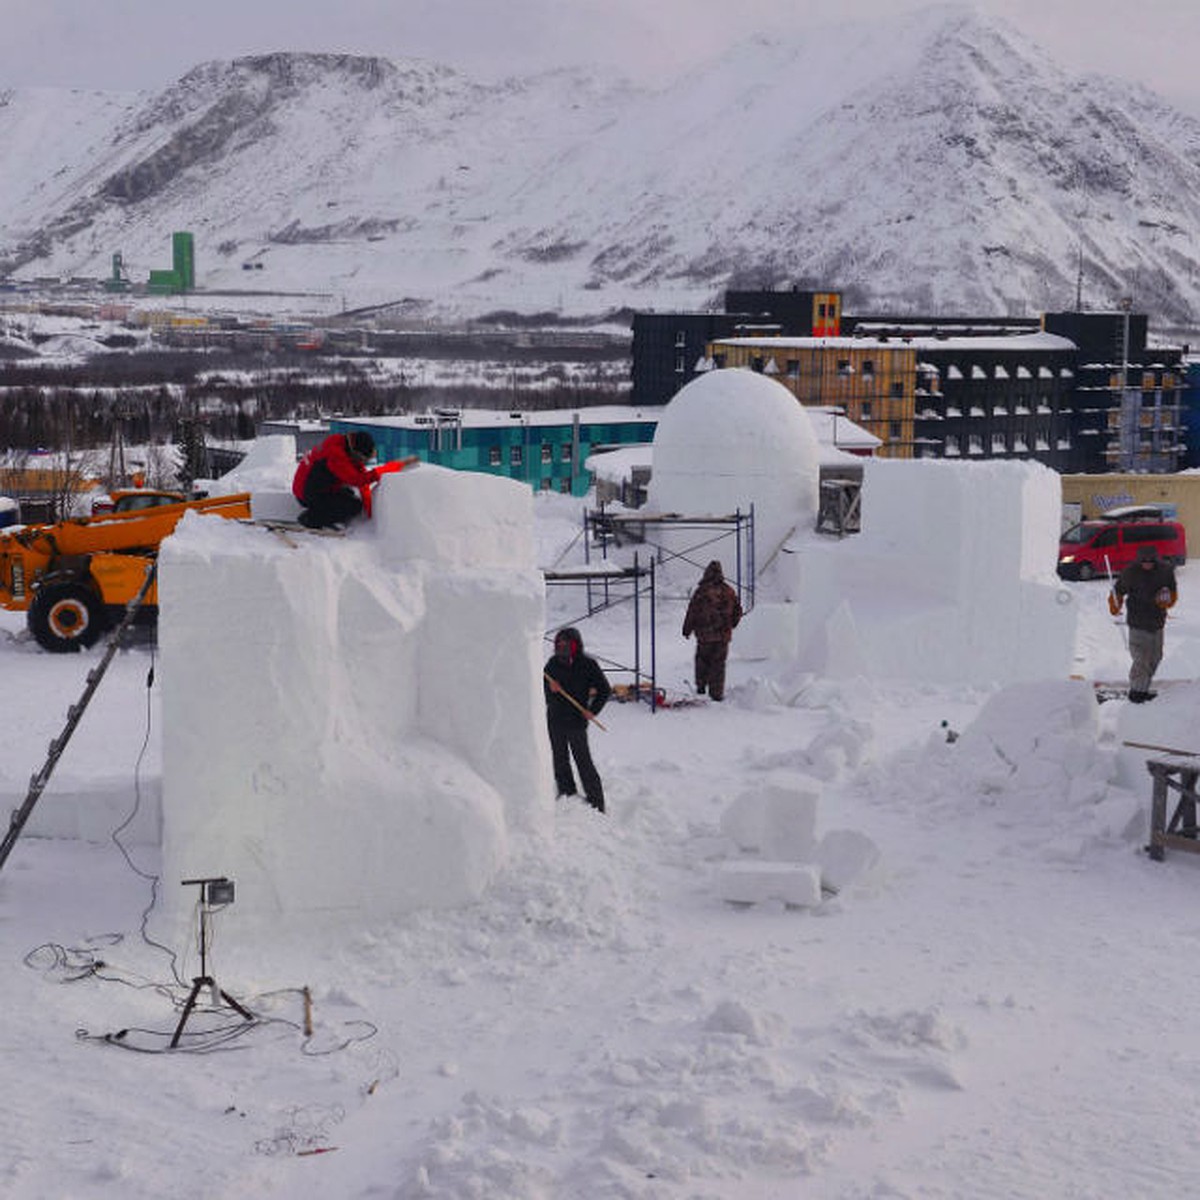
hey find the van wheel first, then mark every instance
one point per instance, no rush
(66, 616)
(1087, 571)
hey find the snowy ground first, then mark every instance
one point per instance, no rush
(998, 1009)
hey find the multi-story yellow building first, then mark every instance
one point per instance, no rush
(873, 381)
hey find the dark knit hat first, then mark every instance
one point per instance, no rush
(361, 443)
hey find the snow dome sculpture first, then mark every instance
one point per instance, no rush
(731, 439)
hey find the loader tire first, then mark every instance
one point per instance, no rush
(65, 617)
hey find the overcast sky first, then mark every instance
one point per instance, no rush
(130, 44)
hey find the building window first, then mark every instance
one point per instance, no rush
(844, 367)
(565, 453)
(897, 389)
(679, 364)
(868, 368)
(493, 456)
(865, 410)
(545, 484)
(681, 338)
(793, 368)
(547, 452)
(515, 456)
(952, 445)
(564, 485)
(894, 431)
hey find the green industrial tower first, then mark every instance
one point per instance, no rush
(182, 276)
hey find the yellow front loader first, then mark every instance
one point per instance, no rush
(74, 579)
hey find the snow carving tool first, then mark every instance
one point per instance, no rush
(387, 468)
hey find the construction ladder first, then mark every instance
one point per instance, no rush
(38, 783)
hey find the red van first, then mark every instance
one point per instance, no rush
(1104, 547)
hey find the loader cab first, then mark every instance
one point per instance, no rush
(134, 500)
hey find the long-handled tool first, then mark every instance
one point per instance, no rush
(1114, 601)
(557, 687)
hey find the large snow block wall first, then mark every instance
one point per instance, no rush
(951, 580)
(353, 726)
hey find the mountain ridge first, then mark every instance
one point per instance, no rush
(934, 162)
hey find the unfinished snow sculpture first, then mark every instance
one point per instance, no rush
(732, 439)
(354, 725)
(951, 580)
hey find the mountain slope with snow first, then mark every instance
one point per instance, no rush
(935, 161)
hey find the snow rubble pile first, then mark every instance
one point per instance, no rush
(952, 580)
(1038, 761)
(354, 724)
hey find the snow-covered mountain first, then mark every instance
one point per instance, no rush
(929, 162)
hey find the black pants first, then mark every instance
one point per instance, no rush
(571, 741)
(322, 509)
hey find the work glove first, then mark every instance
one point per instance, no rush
(1114, 604)
(1165, 598)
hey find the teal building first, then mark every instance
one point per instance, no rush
(546, 450)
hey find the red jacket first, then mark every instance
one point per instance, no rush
(346, 470)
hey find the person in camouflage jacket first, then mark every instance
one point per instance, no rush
(712, 615)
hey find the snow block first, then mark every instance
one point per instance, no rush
(269, 460)
(768, 631)
(778, 818)
(758, 882)
(978, 604)
(845, 855)
(419, 516)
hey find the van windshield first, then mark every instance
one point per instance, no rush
(1079, 533)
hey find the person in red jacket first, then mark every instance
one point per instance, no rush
(332, 478)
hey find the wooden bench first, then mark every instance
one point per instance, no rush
(1178, 833)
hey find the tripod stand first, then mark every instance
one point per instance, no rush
(210, 891)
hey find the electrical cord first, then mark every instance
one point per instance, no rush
(76, 964)
(154, 879)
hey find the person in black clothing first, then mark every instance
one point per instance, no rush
(572, 676)
(1149, 584)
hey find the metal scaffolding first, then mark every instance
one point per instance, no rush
(637, 528)
(607, 586)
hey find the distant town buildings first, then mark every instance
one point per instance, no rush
(1080, 392)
